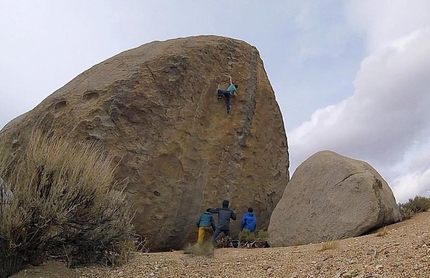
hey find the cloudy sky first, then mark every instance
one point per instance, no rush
(351, 76)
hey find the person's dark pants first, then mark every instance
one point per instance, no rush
(219, 231)
(227, 96)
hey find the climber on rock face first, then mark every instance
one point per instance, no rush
(231, 91)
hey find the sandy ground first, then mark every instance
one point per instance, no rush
(403, 252)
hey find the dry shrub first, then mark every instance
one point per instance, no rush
(246, 236)
(263, 235)
(66, 203)
(255, 240)
(416, 205)
(126, 248)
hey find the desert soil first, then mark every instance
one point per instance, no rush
(402, 252)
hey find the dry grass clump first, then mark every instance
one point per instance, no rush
(201, 249)
(66, 203)
(329, 245)
(382, 232)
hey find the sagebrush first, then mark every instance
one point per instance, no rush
(66, 203)
(416, 205)
(250, 239)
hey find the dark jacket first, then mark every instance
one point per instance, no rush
(224, 216)
(206, 220)
(249, 222)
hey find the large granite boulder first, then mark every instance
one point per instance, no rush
(331, 197)
(155, 108)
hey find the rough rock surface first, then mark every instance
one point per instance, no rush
(331, 197)
(155, 108)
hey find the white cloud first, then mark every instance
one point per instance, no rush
(385, 122)
(384, 21)
(412, 184)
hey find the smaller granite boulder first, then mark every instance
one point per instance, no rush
(332, 197)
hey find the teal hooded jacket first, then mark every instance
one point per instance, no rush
(206, 220)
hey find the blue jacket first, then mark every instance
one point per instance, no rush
(249, 222)
(206, 220)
